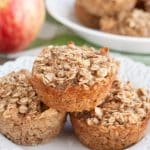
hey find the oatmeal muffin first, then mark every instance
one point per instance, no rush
(107, 7)
(23, 118)
(136, 23)
(72, 78)
(85, 17)
(118, 123)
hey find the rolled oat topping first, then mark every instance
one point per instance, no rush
(63, 65)
(124, 105)
(16, 93)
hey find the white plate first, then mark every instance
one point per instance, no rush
(63, 11)
(137, 73)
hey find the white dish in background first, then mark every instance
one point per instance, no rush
(137, 73)
(63, 11)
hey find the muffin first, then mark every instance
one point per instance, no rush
(116, 124)
(24, 119)
(85, 17)
(135, 23)
(72, 78)
(107, 7)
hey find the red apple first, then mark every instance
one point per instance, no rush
(20, 22)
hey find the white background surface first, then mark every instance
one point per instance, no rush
(137, 73)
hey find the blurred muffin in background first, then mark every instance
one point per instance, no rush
(136, 23)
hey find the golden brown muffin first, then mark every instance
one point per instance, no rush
(23, 118)
(116, 124)
(107, 7)
(135, 23)
(85, 17)
(72, 78)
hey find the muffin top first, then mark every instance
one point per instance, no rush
(59, 66)
(17, 95)
(124, 105)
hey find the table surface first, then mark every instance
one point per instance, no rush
(57, 34)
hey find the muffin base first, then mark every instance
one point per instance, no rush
(73, 98)
(31, 129)
(98, 137)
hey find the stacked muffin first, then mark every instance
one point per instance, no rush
(105, 113)
(125, 17)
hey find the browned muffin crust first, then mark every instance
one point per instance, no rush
(72, 78)
(107, 7)
(116, 124)
(24, 119)
(85, 17)
(135, 23)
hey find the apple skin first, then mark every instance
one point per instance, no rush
(20, 22)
